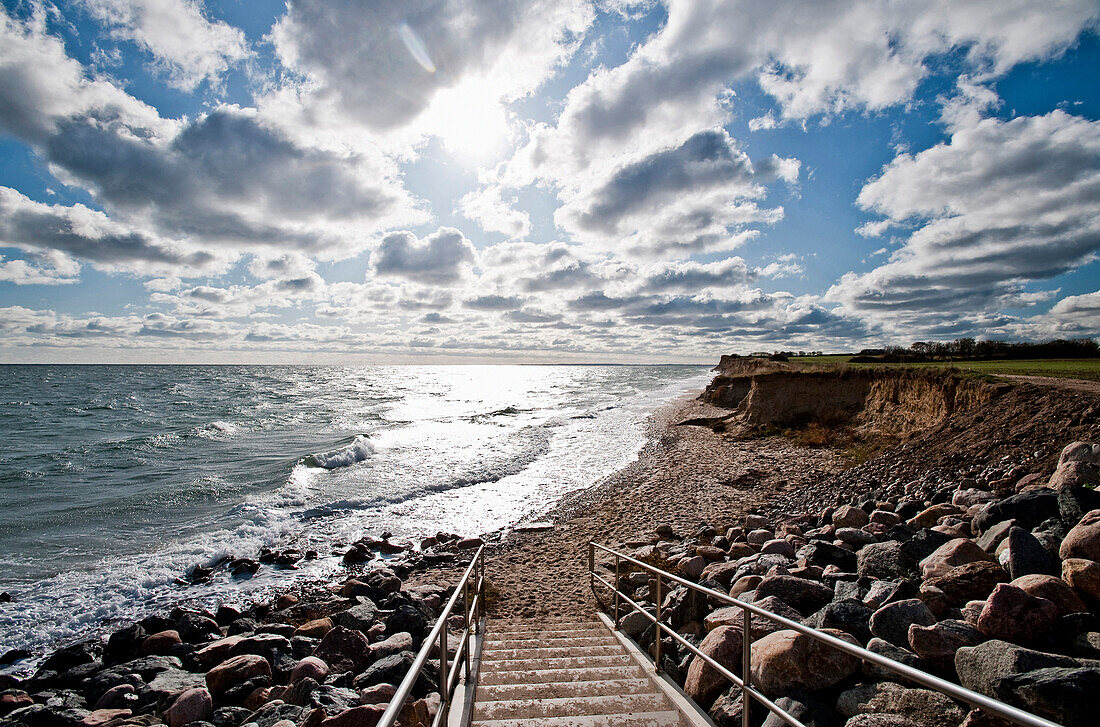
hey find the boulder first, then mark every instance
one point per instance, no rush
(1076, 502)
(124, 644)
(703, 682)
(402, 641)
(929, 517)
(234, 671)
(969, 582)
(1064, 695)
(1080, 452)
(1011, 614)
(952, 553)
(970, 497)
(160, 643)
(377, 694)
(991, 538)
(191, 706)
(883, 560)
(719, 573)
(894, 653)
(787, 660)
(216, 651)
(981, 667)
(922, 706)
(1083, 575)
(357, 618)
(691, 568)
(343, 650)
(847, 516)
(391, 670)
(364, 716)
(197, 628)
(848, 615)
(1053, 589)
(310, 667)
(892, 621)
(804, 596)
(1074, 474)
(938, 643)
(1028, 509)
(778, 547)
(855, 537)
(274, 712)
(1083, 540)
(409, 619)
(1023, 554)
(315, 629)
(825, 554)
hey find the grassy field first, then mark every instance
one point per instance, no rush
(1081, 368)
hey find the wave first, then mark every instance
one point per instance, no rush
(216, 430)
(359, 450)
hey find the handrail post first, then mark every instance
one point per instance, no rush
(657, 625)
(444, 692)
(466, 628)
(617, 562)
(592, 566)
(746, 667)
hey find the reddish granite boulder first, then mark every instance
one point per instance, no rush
(191, 706)
(788, 660)
(1012, 614)
(234, 671)
(1083, 541)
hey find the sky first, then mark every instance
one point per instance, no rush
(347, 181)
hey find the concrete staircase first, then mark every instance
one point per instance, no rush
(553, 673)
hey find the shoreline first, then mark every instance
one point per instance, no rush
(685, 476)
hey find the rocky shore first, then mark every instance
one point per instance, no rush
(970, 549)
(329, 654)
(991, 580)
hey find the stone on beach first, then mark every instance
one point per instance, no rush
(787, 660)
(236, 670)
(191, 706)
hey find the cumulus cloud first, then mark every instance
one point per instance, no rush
(487, 207)
(443, 257)
(49, 269)
(384, 63)
(695, 197)
(224, 179)
(1001, 204)
(91, 235)
(185, 45)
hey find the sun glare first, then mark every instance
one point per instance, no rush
(470, 120)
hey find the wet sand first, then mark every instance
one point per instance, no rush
(686, 476)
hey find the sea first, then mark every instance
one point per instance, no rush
(115, 481)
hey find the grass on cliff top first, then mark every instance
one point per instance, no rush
(1062, 368)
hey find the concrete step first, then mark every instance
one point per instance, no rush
(537, 676)
(550, 642)
(576, 651)
(532, 626)
(621, 704)
(494, 633)
(646, 719)
(555, 690)
(563, 662)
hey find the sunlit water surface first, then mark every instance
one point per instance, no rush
(115, 480)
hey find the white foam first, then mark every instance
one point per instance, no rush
(359, 450)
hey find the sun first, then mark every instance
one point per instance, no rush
(470, 120)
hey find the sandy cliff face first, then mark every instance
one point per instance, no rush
(896, 401)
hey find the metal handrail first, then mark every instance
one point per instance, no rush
(474, 610)
(980, 701)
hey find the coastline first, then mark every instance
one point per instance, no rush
(684, 476)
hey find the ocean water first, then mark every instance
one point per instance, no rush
(116, 480)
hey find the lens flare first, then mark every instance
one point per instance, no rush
(416, 47)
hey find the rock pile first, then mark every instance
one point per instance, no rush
(329, 657)
(992, 582)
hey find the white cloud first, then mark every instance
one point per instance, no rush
(52, 269)
(697, 197)
(1001, 204)
(383, 64)
(442, 257)
(185, 45)
(487, 207)
(226, 181)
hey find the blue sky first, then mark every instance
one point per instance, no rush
(618, 180)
